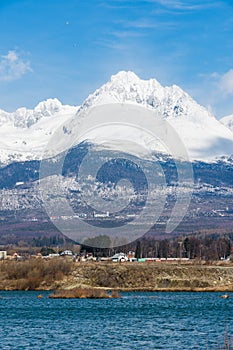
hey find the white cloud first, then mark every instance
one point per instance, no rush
(11, 56)
(13, 67)
(222, 84)
(186, 5)
(226, 82)
(215, 92)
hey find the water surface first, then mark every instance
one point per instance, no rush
(137, 321)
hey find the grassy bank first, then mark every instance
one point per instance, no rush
(33, 274)
(40, 274)
(153, 276)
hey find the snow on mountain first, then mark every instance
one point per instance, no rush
(203, 135)
(25, 133)
(228, 121)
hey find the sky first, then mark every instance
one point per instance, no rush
(68, 49)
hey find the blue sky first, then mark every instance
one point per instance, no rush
(67, 49)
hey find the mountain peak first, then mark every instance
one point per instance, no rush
(24, 117)
(49, 106)
(126, 86)
(203, 136)
(129, 78)
(125, 76)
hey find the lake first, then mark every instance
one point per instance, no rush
(135, 321)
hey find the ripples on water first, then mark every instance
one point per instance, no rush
(137, 321)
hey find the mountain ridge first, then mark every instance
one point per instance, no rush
(26, 132)
(203, 135)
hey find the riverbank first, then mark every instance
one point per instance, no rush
(152, 277)
(62, 274)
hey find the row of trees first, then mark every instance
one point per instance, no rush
(190, 247)
(199, 246)
(212, 247)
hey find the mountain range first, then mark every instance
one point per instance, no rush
(25, 133)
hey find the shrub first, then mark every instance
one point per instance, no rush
(31, 273)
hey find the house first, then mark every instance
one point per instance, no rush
(16, 256)
(119, 257)
(67, 252)
(53, 255)
(3, 254)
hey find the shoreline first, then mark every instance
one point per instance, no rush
(122, 277)
(132, 290)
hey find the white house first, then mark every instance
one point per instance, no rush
(67, 253)
(119, 257)
(3, 254)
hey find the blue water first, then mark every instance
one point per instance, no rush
(136, 321)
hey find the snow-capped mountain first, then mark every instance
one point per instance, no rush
(204, 137)
(25, 133)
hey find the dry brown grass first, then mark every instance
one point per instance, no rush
(153, 277)
(30, 274)
(62, 274)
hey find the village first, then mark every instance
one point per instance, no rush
(84, 256)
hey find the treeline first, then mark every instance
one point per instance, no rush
(209, 247)
(205, 248)
(39, 241)
(199, 246)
